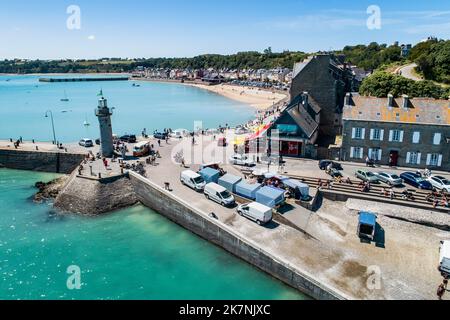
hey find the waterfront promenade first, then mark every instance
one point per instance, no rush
(323, 244)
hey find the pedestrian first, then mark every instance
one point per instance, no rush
(441, 291)
(159, 143)
(105, 163)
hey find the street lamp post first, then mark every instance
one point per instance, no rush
(49, 112)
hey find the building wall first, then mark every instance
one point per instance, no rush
(424, 147)
(317, 80)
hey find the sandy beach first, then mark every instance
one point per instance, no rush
(257, 98)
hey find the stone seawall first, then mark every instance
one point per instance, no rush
(93, 197)
(223, 236)
(40, 161)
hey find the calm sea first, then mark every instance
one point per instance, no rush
(24, 101)
(130, 254)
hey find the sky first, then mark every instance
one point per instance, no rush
(185, 28)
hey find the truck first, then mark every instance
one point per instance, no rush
(367, 225)
(444, 259)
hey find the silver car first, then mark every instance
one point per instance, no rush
(390, 179)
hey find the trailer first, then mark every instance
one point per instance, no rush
(367, 225)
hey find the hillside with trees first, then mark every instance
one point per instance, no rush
(381, 83)
(433, 60)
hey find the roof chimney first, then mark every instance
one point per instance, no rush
(348, 99)
(390, 100)
(405, 104)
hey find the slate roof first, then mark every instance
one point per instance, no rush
(420, 110)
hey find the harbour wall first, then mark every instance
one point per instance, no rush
(223, 236)
(55, 162)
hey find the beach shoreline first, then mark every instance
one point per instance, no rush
(257, 98)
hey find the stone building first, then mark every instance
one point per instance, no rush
(296, 131)
(398, 132)
(326, 78)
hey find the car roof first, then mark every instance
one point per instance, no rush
(190, 174)
(216, 187)
(259, 207)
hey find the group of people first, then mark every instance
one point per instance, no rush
(439, 199)
(442, 289)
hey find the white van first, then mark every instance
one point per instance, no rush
(256, 212)
(444, 258)
(192, 180)
(219, 194)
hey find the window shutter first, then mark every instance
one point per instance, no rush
(440, 160)
(416, 137)
(380, 153)
(391, 135)
(363, 133)
(353, 133)
(361, 153)
(352, 152)
(382, 134)
(372, 133)
(408, 157)
(370, 153)
(401, 135)
(428, 159)
(419, 158)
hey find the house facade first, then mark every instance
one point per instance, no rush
(397, 132)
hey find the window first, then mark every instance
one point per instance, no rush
(356, 152)
(358, 133)
(416, 137)
(396, 136)
(437, 139)
(376, 134)
(434, 159)
(375, 154)
(413, 158)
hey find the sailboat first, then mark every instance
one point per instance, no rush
(65, 99)
(86, 123)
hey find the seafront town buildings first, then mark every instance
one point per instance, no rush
(397, 132)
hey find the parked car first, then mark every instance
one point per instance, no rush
(256, 212)
(87, 143)
(179, 133)
(390, 179)
(367, 176)
(323, 165)
(98, 142)
(416, 180)
(242, 160)
(241, 130)
(219, 194)
(129, 138)
(440, 183)
(192, 180)
(160, 135)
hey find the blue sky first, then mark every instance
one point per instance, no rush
(178, 28)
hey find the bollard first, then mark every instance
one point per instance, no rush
(99, 175)
(90, 168)
(121, 170)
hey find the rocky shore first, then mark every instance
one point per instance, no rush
(50, 190)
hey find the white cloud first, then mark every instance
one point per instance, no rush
(91, 37)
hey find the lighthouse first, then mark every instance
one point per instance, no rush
(104, 114)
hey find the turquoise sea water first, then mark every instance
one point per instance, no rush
(130, 254)
(24, 101)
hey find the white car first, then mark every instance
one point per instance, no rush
(87, 143)
(242, 160)
(440, 183)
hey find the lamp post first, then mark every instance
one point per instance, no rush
(49, 112)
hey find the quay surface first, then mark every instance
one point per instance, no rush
(322, 256)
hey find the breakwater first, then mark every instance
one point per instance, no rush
(54, 162)
(92, 79)
(199, 223)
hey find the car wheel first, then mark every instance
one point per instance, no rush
(223, 204)
(207, 196)
(259, 222)
(240, 213)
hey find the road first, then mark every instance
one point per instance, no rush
(409, 72)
